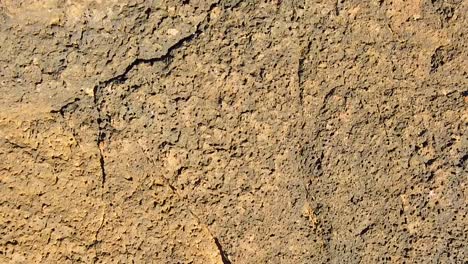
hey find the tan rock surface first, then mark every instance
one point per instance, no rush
(210, 131)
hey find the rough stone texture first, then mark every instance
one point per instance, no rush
(227, 131)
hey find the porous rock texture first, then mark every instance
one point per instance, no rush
(229, 131)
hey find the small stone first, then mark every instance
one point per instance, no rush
(173, 32)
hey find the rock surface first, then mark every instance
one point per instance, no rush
(227, 131)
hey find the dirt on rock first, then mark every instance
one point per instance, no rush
(228, 131)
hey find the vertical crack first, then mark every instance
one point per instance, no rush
(100, 135)
(122, 77)
(96, 235)
(103, 167)
(300, 72)
(102, 163)
(103, 121)
(300, 79)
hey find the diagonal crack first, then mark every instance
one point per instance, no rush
(102, 120)
(166, 56)
(222, 253)
(65, 107)
(122, 77)
(224, 257)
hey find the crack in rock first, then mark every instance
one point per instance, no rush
(224, 257)
(166, 56)
(64, 108)
(222, 253)
(101, 120)
(96, 241)
(300, 73)
(122, 77)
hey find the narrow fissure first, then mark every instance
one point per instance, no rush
(101, 122)
(100, 136)
(300, 73)
(103, 168)
(224, 257)
(222, 253)
(120, 78)
(166, 57)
